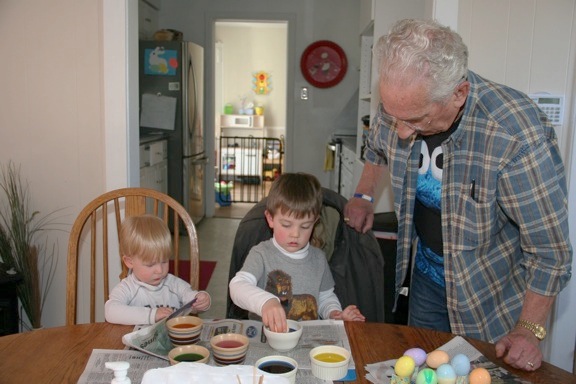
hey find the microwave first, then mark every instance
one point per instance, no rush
(241, 121)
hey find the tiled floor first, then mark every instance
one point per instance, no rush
(215, 240)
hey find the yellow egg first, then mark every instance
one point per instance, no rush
(437, 358)
(404, 367)
(480, 376)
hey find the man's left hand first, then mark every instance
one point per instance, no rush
(520, 349)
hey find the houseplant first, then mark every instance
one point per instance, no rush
(23, 246)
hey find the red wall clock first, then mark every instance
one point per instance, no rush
(323, 64)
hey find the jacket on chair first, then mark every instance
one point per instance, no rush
(356, 261)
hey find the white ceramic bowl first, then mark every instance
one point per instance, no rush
(276, 366)
(189, 353)
(283, 342)
(329, 362)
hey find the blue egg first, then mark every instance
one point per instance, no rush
(461, 364)
(445, 371)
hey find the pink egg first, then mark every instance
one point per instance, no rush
(480, 376)
(437, 358)
(418, 354)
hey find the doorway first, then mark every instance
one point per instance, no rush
(250, 110)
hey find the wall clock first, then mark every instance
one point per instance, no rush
(323, 64)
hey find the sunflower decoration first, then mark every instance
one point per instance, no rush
(262, 83)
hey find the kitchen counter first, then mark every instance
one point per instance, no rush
(150, 137)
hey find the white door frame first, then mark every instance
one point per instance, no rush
(210, 83)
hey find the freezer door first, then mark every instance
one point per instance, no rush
(193, 174)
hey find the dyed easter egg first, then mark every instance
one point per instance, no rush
(404, 366)
(461, 364)
(479, 376)
(437, 358)
(418, 354)
(446, 374)
(426, 376)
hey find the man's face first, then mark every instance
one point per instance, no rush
(411, 111)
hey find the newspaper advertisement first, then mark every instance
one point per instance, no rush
(381, 373)
(150, 347)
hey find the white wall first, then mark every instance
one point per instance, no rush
(248, 48)
(64, 118)
(51, 105)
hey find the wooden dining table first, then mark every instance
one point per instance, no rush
(60, 354)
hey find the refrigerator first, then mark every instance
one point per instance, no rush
(172, 105)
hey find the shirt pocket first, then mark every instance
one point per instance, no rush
(474, 223)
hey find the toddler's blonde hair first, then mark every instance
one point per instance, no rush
(145, 237)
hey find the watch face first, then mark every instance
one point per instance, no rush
(323, 64)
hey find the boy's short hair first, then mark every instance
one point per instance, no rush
(145, 237)
(297, 194)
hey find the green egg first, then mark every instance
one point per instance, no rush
(426, 376)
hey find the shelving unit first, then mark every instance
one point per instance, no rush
(365, 85)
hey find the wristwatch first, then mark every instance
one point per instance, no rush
(538, 330)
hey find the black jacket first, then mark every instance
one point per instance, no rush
(356, 263)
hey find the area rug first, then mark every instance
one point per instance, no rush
(206, 270)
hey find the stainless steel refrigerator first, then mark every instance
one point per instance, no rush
(172, 104)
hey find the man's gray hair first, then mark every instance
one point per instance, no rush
(423, 49)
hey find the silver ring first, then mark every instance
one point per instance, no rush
(530, 364)
(346, 219)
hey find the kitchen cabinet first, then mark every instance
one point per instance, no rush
(147, 19)
(154, 165)
(366, 14)
(364, 88)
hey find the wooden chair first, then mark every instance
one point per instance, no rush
(92, 242)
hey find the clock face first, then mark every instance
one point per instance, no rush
(323, 64)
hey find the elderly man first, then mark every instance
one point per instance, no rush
(479, 190)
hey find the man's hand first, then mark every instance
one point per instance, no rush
(274, 317)
(520, 349)
(359, 214)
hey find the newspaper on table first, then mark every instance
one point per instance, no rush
(381, 373)
(150, 347)
(96, 372)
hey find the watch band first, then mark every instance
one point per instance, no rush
(365, 197)
(538, 330)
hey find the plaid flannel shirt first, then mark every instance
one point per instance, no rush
(513, 235)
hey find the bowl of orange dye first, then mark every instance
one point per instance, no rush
(184, 330)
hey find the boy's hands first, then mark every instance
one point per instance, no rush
(202, 301)
(274, 317)
(350, 313)
(163, 312)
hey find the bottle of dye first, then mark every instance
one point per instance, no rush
(120, 369)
